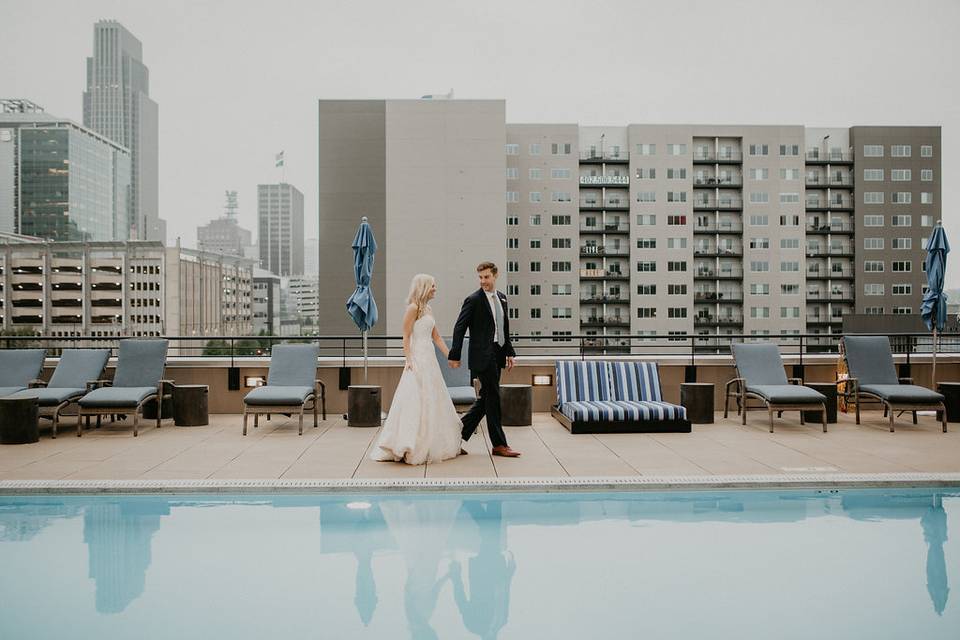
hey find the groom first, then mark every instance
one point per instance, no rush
(484, 313)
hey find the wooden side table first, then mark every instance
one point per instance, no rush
(190, 405)
(363, 405)
(697, 399)
(829, 389)
(18, 421)
(951, 399)
(516, 405)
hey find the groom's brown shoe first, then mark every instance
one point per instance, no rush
(506, 452)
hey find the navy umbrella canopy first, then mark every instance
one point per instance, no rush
(360, 305)
(933, 308)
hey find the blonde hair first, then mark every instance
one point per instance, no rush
(419, 289)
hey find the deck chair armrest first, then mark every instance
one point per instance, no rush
(797, 381)
(36, 384)
(320, 385)
(95, 384)
(905, 380)
(737, 381)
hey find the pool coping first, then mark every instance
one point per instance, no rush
(479, 485)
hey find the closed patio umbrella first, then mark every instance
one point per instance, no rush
(933, 308)
(361, 305)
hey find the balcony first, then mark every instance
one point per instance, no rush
(608, 321)
(817, 319)
(723, 204)
(75, 318)
(817, 157)
(593, 250)
(717, 183)
(608, 157)
(823, 252)
(717, 297)
(841, 297)
(600, 274)
(612, 228)
(605, 181)
(721, 228)
(830, 275)
(603, 299)
(710, 274)
(845, 228)
(829, 182)
(717, 157)
(832, 205)
(728, 321)
(718, 252)
(606, 205)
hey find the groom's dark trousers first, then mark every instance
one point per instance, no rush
(488, 404)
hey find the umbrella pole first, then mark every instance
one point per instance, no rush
(933, 374)
(364, 357)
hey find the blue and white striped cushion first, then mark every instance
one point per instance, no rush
(635, 381)
(622, 410)
(579, 380)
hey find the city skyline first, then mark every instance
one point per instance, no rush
(206, 93)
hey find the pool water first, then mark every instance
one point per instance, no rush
(755, 564)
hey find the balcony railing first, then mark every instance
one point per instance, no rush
(829, 205)
(600, 299)
(593, 250)
(815, 156)
(717, 156)
(721, 252)
(603, 274)
(822, 182)
(604, 181)
(606, 156)
(829, 275)
(717, 320)
(710, 274)
(717, 205)
(719, 183)
(606, 228)
(717, 296)
(609, 321)
(723, 227)
(830, 228)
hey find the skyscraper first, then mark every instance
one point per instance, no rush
(280, 228)
(117, 105)
(224, 235)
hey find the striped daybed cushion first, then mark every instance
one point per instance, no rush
(634, 381)
(598, 391)
(582, 380)
(622, 410)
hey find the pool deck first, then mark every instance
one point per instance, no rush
(218, 455)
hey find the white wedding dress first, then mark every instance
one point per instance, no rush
(422, 425)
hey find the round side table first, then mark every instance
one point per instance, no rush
(363, 405)
(190, 406)
(516, 405)
(697, 399)
(18, 421)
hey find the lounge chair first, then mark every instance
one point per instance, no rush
(137, 380)
(614, 397)
(291, 383)
(760, 376)
(77, 373)
(872, 375)
(458, 381)
(19, 368)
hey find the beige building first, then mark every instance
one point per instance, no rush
(633, 230)
(115, 289)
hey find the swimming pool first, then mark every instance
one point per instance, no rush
(723, 564)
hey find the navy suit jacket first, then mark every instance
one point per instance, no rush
(477, 317)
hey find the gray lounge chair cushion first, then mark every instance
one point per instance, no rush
(759, 363)
(6, 391)
(77, 367)
(903, 393)
(786, 393)
(459, 377)
(462, 395)
(869, 359)
(277, 395)
(140, 363)
(127, 397)
(50, 396)
(293, 365)
(20, 366)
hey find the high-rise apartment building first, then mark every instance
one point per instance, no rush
(642, 230)
(117, 105)
(59, 180)
(428, 175)
(280, 228)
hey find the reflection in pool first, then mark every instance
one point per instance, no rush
(709, 564)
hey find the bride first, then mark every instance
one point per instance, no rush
(422, 425)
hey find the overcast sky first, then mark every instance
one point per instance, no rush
(238, 81)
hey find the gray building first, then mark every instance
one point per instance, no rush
(633, 230)
(225, 235)
(117, 105)
(280, 228)
(266, 302)
(429, 176)
(59, 180)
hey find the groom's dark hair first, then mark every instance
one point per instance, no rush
(483, 266)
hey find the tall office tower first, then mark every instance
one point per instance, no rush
(117, 105)
(280, 228)
(429, 176)
(59, 180)
(224, 235)
(311, 259)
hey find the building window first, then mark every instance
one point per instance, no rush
(646, 243)
(789, 266)
(873, 197)
(873, 243)
(646, 312)
(513, 196)
(873, 289)
(647, 149)
(534, 313)
(759, 150)
(901, 175)
(647, 174)
(560, 221)
(873, 311)
(535, 266)
(513, 221)
(926, 197)
(759, 221)
(902, 266)
(513, 266)
(873, 221)
(790, 174)
(513, 313)
(513, 289)
(926, 175)
(562, 289)
(676, 243)
(646, 219)
(513, 243)
(535, 243)
(759, 266)
(873, 175)
(534, 148)
(903, 220)
(789, 221)
(902, 289)
(561, 243)
(759, 197)
(513, 173)
(513, 149)
(676, 312)
(760, 312)
(560, 149)
(676, 149)
(560, 196)
(790, 289)
(873, 266)
(534, 289)
(647, 266)
(788, 150)
(926, 221)
(676, 221)
(676, 265)
(759, 174)
(926, 151)
(901, 197)
(899, 151)
(535, 220)
(676, 289)
(873, 150)
(646, 289)
(677, 174)
(535, 197)
(676, 196)
(901, 243)
(790, 312)
(789, 243)
(759, 243)
(646, 196)
(561, 266)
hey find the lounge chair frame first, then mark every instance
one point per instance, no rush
(319, 391)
